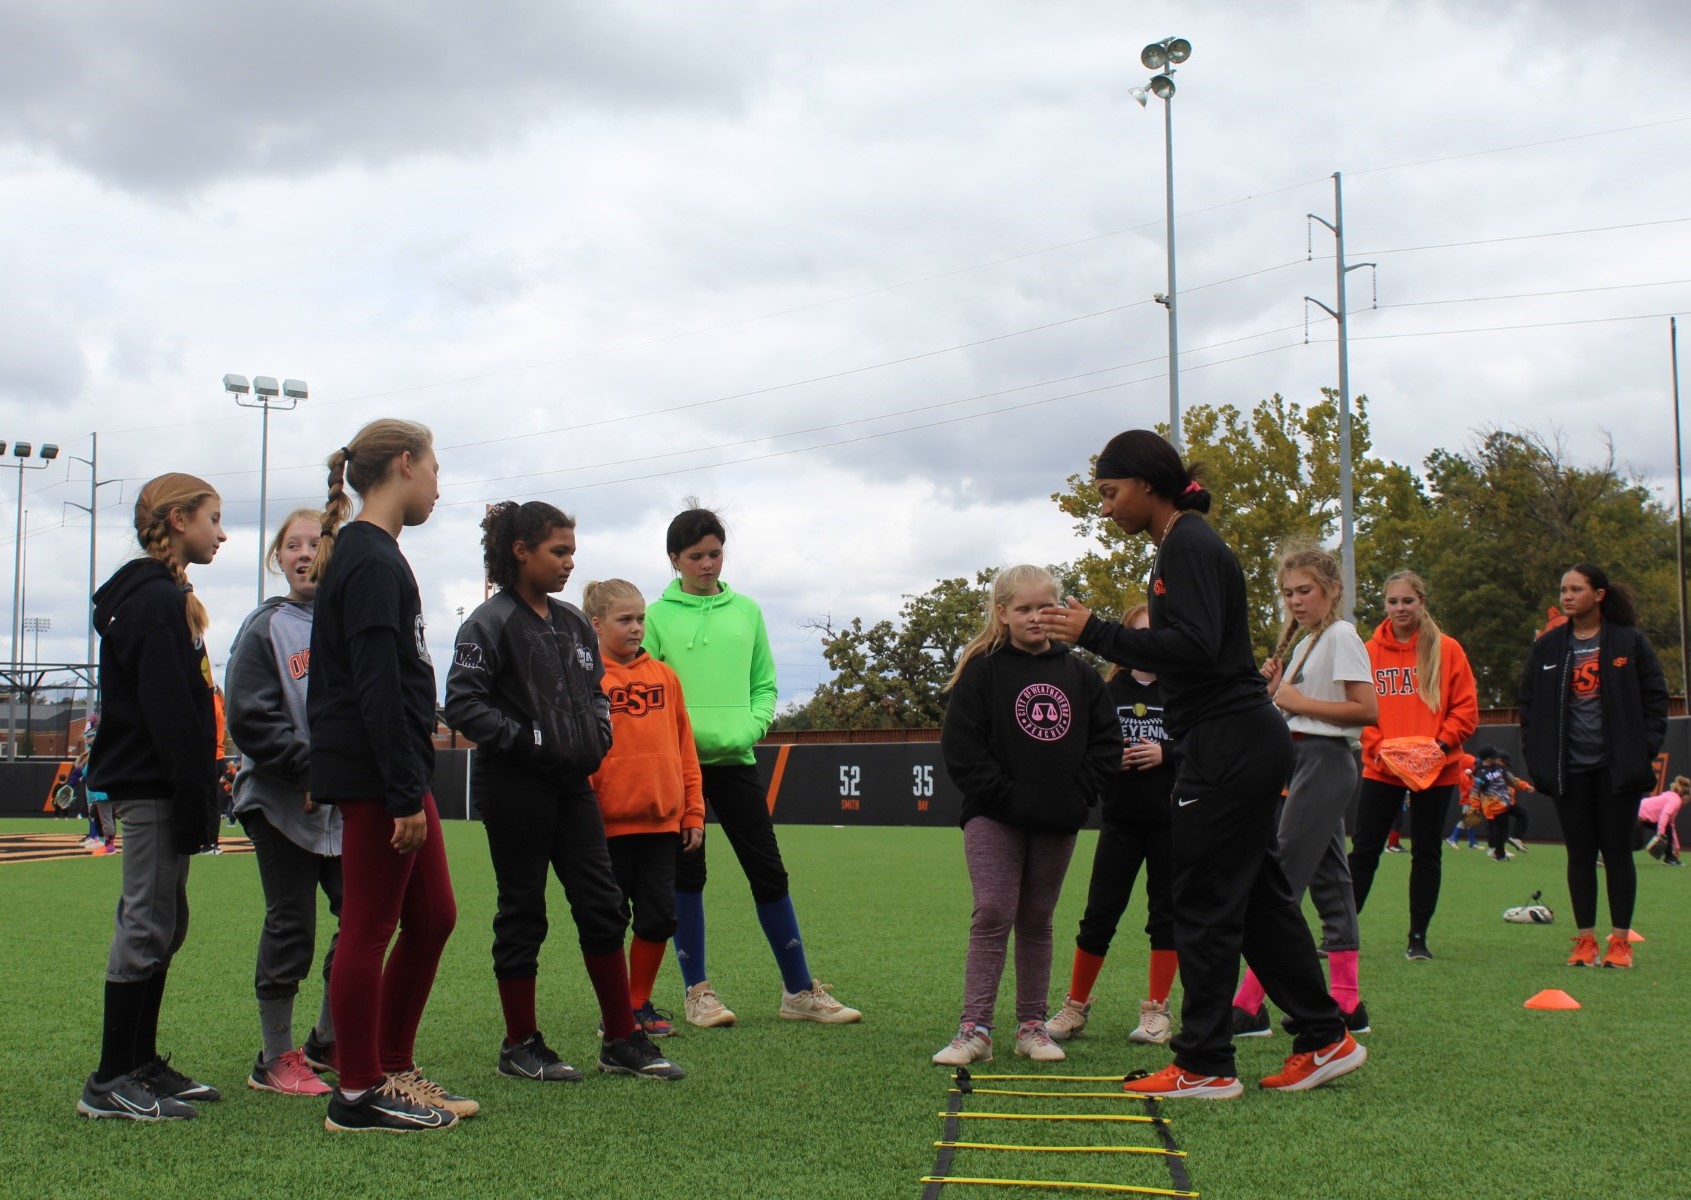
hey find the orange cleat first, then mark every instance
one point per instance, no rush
(1315, 1067)
(1585, 951)
(1619, 953)
(1171, 1083)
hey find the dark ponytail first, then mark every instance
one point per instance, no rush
(1617, 605)
(1142, 454)
(508, 523)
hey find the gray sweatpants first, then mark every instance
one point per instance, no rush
(1312, 836)
(152, 910)
(1017, 877)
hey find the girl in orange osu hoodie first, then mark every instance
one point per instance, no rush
(648, 785)
(1426, 689)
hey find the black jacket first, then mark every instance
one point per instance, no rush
(1030, 739)
(525, 689)
(158, 737)
(1634, 698)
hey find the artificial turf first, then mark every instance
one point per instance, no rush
(1465, 1093)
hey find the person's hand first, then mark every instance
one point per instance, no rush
(1063, 622)
(409, 833)
(1145, 754)
(1271, 671)
(691, 840)
(1289, 700)
(310, 804)
(1127, 757)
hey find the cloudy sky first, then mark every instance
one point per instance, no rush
(872, 278)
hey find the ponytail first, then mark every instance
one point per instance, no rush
(1617, 604)
(362, 464)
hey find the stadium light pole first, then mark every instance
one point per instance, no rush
(266, 394)
(21, 452)
(1163, 57)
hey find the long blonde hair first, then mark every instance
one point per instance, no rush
(158, 499)
(273, 556)
(1127, 619)
(1429, 650)
(362, 463)
(1325, 570)
(994, 633)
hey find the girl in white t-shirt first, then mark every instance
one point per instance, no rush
(1320, 678)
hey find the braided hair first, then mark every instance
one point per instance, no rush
(362, 464)
(1324, 568)
(175, 492)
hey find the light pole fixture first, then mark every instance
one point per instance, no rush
(21, 454)
(37, 626)
(266, 394)
(1163, 57)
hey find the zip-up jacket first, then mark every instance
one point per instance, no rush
(157, 736)
(1634, 699)
(1404, 714)
(265, 685)
(1030, 739)
(525, 688)
(649, 782)
(719, 648)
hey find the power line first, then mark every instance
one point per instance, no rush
(1612, 287)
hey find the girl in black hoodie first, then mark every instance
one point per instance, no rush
(1030, 738)
(156, 762)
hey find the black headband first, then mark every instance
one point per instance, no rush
(1112, 468)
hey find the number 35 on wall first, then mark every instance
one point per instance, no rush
(922, 785)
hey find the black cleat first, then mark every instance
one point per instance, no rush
(319, 1054)
(1417, 948)
(165, 1080)
(128, 1098)
(635, 1055)
(1251, 1024)
(532, 1058)
(384, 1109)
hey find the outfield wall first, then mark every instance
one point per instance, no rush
(885, 783)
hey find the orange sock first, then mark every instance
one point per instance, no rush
(1165, 964)
(644, 959)
(1086, 968)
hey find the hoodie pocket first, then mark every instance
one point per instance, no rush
(1043, 808)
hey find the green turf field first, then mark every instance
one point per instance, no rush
(1465, 1093)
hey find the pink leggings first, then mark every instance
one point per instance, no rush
(377, 1009)
(1017, 877)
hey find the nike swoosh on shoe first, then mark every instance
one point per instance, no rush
(429, 1122)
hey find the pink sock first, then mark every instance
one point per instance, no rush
(1250, 995)
(1342, 965)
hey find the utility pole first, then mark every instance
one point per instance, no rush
(95, 483)
(1347, 497)
(1679, 514)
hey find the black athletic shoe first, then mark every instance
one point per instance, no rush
(532, 1058)
(128, 1098)
(635, 1055)
(166, 1080)
(384, 1109)
(1417, 948)
(319, 1054)
(1251, 1024)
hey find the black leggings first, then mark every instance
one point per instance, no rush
(1595, 818)
(1500, 834)
(1122, 847)
(644, 864)
(735, 794)
(1377, 807)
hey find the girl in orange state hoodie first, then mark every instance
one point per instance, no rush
(1426, 689)
(648, 785)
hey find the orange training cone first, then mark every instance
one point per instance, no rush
(1632, 935)
(1552, 1000)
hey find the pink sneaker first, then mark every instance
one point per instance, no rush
(289, 1074)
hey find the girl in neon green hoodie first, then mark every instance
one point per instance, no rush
(715, 641)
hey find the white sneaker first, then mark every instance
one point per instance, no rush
(815, 1004)
(704, 1009)
(1154, 1028)
(1069, 1021)
(1518, 844)
(1033, 1042)
(972, 1044)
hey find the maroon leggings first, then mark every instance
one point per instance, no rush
(377, 1009)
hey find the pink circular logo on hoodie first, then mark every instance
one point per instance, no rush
(1043, 712)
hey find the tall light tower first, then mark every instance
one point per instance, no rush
(266, 394)
(1163, 57)
(21, 452)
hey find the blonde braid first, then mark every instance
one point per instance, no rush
(336, 509)
(153, 507)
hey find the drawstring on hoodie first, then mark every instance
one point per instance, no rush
(704, 615)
